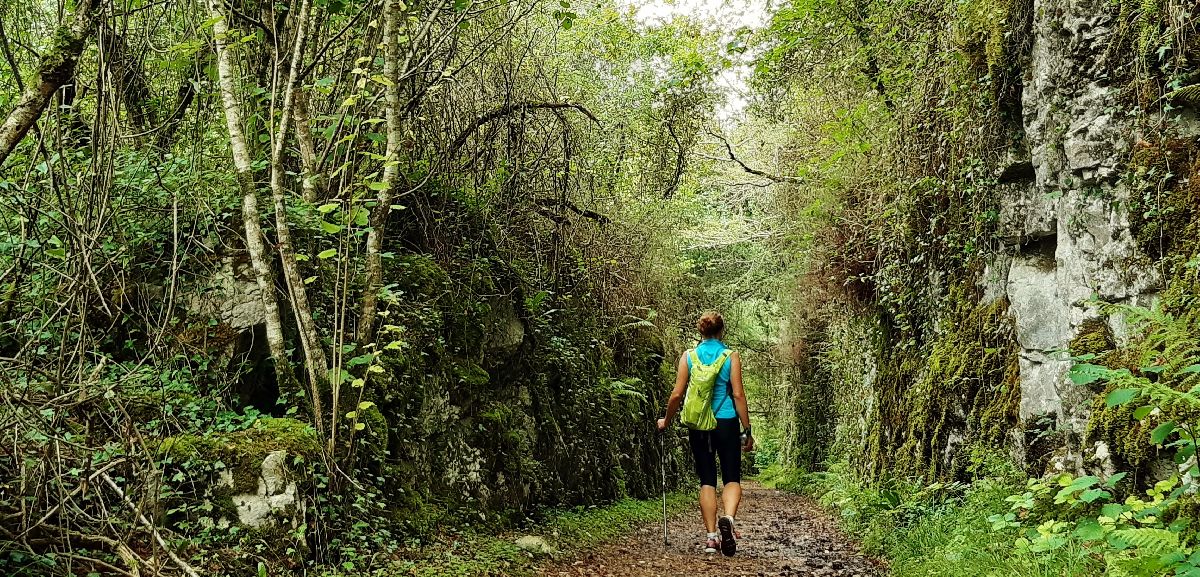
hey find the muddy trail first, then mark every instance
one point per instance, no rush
(782, 534)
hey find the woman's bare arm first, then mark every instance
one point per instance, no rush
(681, 379)
(739, 395)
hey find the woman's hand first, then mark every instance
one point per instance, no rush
(748, 444)
(662, 424)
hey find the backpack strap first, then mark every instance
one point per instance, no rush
(721, 359)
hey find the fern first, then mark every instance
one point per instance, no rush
(1149, 539)
(1189, 95)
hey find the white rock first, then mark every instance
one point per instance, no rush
(536, 545)
(276, 495)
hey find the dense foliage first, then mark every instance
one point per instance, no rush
(379, 269)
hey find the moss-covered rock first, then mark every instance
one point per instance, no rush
(963, 390)
(1094, 337)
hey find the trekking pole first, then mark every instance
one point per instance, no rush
(662, 446)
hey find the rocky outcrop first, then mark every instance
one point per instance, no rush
(1067, 229)
(274, 498)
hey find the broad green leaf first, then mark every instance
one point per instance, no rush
(1086, 373)
(365, 405)
(1089, 530)
(1120, 397)
(359, 426)
(362, 217)
(1141, 412)
(1091, 495)
(330, 228)
(1112, 510)
(1161, 432)
(327, 208)
(373, 185)
(1113, 480)
(327, 253)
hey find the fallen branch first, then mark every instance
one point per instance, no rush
(153, 530)
(754, 171)
(585, 213)
(509, 109)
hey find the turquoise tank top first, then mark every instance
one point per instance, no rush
(708, 351)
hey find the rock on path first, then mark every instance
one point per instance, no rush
(782, 535)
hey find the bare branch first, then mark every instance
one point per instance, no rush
(755, 171)
(509, 109)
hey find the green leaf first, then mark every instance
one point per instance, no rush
(330, 228)
(1086, 373)
(1113, 480)
(377, 185)
(1091, 495)
(1141, 412)
(1190, 369)
(1089, 530)
(1161, 432)
(327, 253)
(365, 405)
(1120, 397)
(1112, 510)
(327, 208)
(360, 360)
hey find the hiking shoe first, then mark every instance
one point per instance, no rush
(728, 537)
(712, 545)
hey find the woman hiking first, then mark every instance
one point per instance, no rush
(710, 376)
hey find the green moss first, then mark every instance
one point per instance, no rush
(1128, 440)
(470, 374)
(1162, 206)
(418, 274)
(1095, 337)
(967, 382)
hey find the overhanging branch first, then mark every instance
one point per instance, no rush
(509, 109)
(755, 171)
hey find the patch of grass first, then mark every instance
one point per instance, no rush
(936, 530)
(568, 531)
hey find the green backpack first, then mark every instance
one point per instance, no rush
(702, 379)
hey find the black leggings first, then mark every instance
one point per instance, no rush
(724, 441)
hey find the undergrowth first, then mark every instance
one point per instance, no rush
(939, 529)
(562, 532)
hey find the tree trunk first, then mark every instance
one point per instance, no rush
(393, 11)
(308, 150)
(310, 339)
(250, 219)
(56, 68)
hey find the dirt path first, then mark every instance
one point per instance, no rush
(782, 534)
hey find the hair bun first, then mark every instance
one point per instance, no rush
(711, 324)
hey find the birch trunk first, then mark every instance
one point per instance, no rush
(57, 67)
(310, 340)
(393, 12)
(250, 219)
(308, 150)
